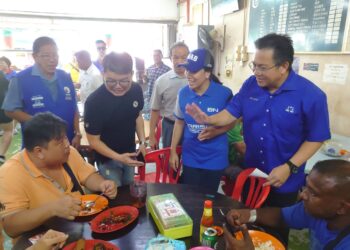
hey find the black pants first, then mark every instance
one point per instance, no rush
(280, 200)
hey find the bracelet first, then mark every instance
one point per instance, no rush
(253, 216)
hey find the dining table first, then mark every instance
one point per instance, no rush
(137, 234)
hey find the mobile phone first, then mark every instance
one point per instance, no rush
(140, 157)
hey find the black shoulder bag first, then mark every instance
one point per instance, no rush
(333, 243)
(76, 185)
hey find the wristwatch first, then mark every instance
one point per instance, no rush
(292, 167)
(143, 143)
(253, 216)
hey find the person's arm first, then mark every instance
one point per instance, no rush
(267, 216)
(152, 128)
(18, 115)
(77, 133)
(140, 131)
(211, 132)
(25, 220)
(177, 134)
(280, 174)
(51, 240)
(98, 145)
(222, 118)
(96, 182)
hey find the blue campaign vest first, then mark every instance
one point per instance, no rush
(37, 97)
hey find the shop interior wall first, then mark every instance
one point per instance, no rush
(338, 94)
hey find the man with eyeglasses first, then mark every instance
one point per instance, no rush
(42, 88)
(285, 118)
(112, 115)
(101, 47)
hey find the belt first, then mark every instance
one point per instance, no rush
(168, 120)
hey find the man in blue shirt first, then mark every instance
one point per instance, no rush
(285, 118)
(324, 210)
(43, 88)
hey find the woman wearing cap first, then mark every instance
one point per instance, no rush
(204, 148)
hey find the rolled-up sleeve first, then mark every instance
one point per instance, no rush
(13, 99)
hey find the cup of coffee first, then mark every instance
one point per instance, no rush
(138, 192)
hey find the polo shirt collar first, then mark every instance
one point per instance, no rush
(173, 75)
(29, 165)
(289, 84)
(36, 71)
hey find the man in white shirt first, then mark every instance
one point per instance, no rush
(90, 77)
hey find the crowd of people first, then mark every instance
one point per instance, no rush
(276, 122)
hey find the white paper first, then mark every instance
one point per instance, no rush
(335, 73)
(259, 173)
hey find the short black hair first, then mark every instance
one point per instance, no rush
(42, 41)
(282, 46)
(83, 54)
(339, 170)
(176, 45)
(41, 129)
(119, 63)
(6, 60)
(159, 51)
(100, 41)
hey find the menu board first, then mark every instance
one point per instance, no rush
(314, 25)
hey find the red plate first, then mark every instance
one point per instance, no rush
(89, 245)
(125, 213)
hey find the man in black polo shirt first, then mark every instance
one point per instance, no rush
(112, 116)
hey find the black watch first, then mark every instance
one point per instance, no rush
(292, 167)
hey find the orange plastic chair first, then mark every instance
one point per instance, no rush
(163, 174)
(257, 194)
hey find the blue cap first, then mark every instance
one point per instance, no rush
(198, 59)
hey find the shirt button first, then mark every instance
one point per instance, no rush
(262, 138)
(267, 110)
(271, 96)
(264, 124)
(261, 151)
(200, 102)
(262, 162)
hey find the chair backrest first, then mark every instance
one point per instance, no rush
(164, 173)
(256, 195)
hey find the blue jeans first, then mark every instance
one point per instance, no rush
(118, 172)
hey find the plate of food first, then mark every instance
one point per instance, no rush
(83, 244)
(114, 219)
(334, 149)
(263, 241)
(101, 203)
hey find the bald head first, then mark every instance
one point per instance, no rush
(339, 172)
(84, 59)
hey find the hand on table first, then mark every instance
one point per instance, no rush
(67, 207)
(50, 240)
(197, 114)
(234, 244)
(109, 188)
(278, 176)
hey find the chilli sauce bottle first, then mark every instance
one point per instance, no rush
(207, 218)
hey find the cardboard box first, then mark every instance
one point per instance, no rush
(170, 217)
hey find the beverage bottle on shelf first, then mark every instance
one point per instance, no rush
(207, 218)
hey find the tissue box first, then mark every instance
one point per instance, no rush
(170, 217)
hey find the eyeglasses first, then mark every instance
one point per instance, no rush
(260, 69)
(112, 83)
(47, 57)
(101, 48)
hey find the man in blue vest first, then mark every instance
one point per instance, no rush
(43, 88)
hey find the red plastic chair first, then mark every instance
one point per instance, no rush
(161, 158)
(257, 194)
